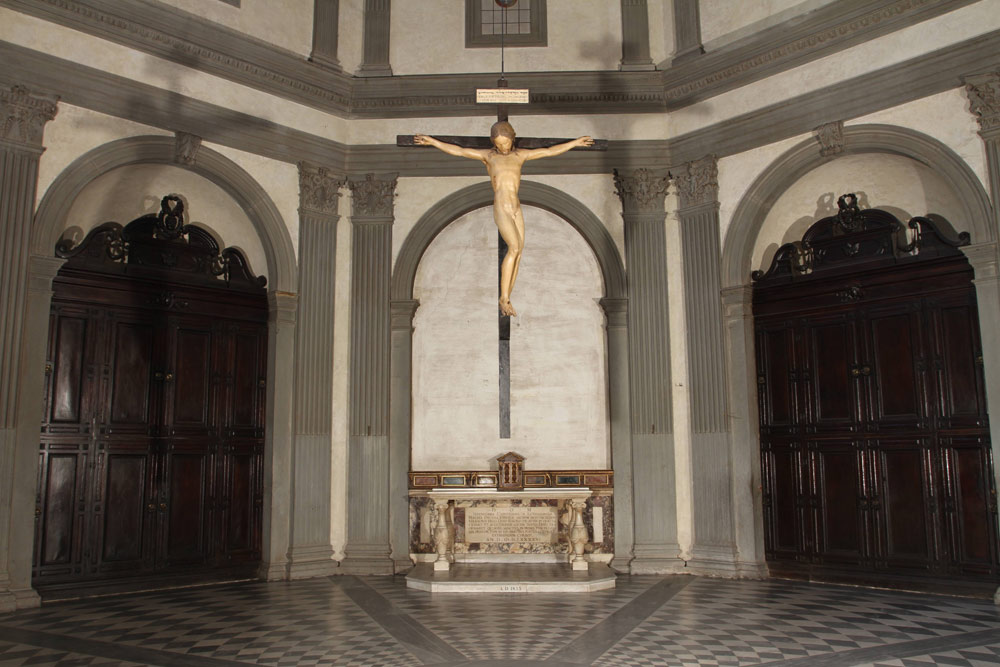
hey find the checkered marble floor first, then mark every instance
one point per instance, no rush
(377, 621)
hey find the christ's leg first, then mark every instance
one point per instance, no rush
(507, 215)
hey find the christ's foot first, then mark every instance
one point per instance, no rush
(506, 308)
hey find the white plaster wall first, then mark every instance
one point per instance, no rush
(281, 182)
(596, 192)
(896, 184)
(939, 33)
(415, 195)
(287, 23)
(341, 390)
(75, 131)
(77, 47)
(947, 118)
(558, 360)
(661, 29)
(350, 37)
(429, 37)
(126, 193)
(725, 21)
(610, 126)
(738, 172)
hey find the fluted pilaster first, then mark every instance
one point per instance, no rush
(635, 36)
(642, 195)
(375, 52)
(319, 195)
(713, 548)
(687, 31)
(368, 542)
(326, 31)
(401, 324)
(984, 103)
(22, 122)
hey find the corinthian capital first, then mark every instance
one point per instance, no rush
(984, 99)
(641, 192)
(373, 196)
(319, 189)
(24, 116)
(698, 182)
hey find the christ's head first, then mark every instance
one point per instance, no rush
(502, 136)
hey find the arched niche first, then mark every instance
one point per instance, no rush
(750, 231)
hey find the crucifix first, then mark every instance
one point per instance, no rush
(504, 154)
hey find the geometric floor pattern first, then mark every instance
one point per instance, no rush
(378, 621)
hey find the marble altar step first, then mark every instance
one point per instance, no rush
(511, 578)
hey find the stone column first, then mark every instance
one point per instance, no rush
(616, 330)
(401, 367)
(278, 435)
(713, 547)
(984, 102)
(326, 29)
(312, 551)
(375, 52)
(635, 37)
(642, 194)
(22, 123)
(687, 31)
(368, 492)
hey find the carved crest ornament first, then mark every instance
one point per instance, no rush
(160, 242)
(855, 238)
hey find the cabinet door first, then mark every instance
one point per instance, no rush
(904, 504)
(831, 361)
(969, 505)
(241, 477)
(839, 511)
(785, 500)
(184, 508)
(777, 379)
(894, 371)
(189, 394)
(65, 447)
(958, 370)
(245, 373)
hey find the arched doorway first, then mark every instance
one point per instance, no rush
(875, 446)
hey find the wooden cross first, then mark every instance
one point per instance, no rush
(502, 95)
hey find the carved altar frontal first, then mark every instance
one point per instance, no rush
(522, 526)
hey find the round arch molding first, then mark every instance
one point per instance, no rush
(761, 196)
(615, 304)
(479, 195)
(54, 208)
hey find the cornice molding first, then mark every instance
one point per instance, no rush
(178, 36)
(827, 30)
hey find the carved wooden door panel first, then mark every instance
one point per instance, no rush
(969, 506)
(240, 470)
(777, 377)
(122, 505)
(957, 362)
(68, 434)
(786, 498)
(831, 357)
(839, 514)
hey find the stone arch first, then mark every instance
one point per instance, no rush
(49, 222)
(735, 268)
(871, 138)
(52, 211)
(479, 195)
(615, 306)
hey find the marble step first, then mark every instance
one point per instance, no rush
(511, 578)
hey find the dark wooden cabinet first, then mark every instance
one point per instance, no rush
(151, 450)
(875, 451)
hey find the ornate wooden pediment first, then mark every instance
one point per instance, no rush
(161, 243)
(856, 239)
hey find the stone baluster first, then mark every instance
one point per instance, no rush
(22, 122)
(642, 194)
(368, 495)
(312, 550)
(578, 534)
(442, 535)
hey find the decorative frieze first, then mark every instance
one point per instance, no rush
(24, 116)
(319, 190)
(373, 196)
(643, 191)
(698, 182)
(984, 100)
(830, 137)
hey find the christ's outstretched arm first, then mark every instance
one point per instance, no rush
(450, 149)
(558, 149)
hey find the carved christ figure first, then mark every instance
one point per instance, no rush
(503, 164)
